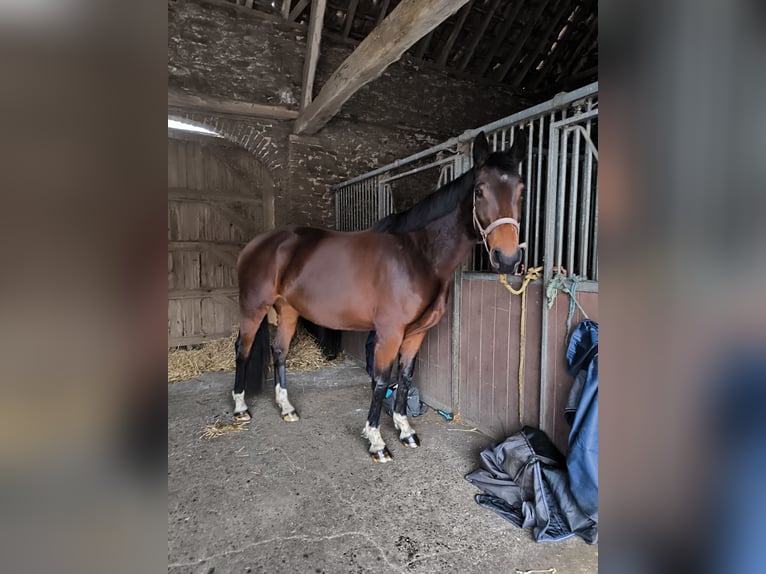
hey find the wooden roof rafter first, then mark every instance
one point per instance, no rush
(512, 12)
(568, 46)
(518, 45)
(462, 15)
(312, 51)
(478, 35)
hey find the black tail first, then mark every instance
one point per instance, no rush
(250, 374)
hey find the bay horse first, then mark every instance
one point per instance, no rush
(393, 278)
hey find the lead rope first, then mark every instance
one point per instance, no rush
(568, 284)
(531, 275)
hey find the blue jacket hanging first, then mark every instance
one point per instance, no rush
(581, 413)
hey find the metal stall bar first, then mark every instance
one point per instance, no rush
(562, 179)
(418, 169)
(595, 235)
(586, 205)
(572, 219)
(527, 201)
(538, 185)
(551, 194)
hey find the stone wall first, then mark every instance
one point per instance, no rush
(221, 51)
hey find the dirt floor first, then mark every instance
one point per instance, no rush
(304, 497)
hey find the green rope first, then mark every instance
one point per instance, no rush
(567, 284)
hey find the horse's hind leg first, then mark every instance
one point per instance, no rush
(288, 319)
(386, 348)
(248, 329)
(410, 348)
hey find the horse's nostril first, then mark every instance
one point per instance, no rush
(495, 257)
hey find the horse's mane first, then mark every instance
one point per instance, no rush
(436, 205)
(443, 200)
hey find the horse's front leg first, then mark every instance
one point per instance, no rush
(386, 349)
(410, 347)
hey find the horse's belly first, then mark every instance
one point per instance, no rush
(351, 287)
(334, 297)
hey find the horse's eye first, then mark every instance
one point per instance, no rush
(479, 192)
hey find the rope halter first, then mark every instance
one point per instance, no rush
(484, 232)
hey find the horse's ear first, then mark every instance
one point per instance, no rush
(518, 150)
(480, 150)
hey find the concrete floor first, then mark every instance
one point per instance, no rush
(304, 497)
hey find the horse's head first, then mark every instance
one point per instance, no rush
(497, 199)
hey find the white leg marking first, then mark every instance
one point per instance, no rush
(239, 402)
(280, 395)
(373, 435)
(403, 425)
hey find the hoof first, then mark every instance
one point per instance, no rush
(411, 441)
(381, 456)
(242, 417)
(291, 417)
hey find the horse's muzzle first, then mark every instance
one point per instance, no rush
(503, 263)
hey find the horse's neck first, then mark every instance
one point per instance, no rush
(448, 240)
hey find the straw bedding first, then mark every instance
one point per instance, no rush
(187, 363)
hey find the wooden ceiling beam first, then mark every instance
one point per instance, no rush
(511, 14)
(312, 50)
(407, 23)
(464, 11)
(478, 35)
(350, 15)
(200, 103)
(286, 9)
(518, 46)
(209, 196)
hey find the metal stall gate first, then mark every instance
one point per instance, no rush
(469, 363)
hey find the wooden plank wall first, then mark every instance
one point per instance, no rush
(489, 357)
(490, 330)
(215, 192)
(433, 365)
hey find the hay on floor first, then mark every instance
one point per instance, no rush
(219, 429)
(187, 363)
(305, 355)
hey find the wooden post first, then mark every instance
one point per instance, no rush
(312, 50)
